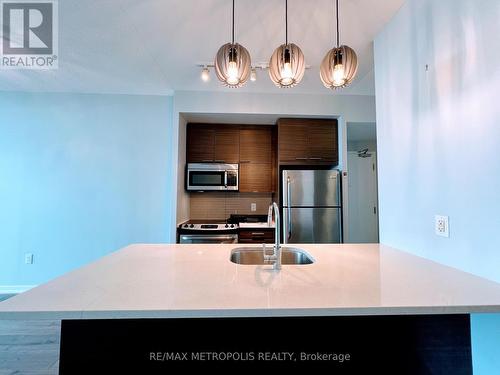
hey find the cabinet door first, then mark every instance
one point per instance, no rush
(292, 139)
(256, 145)
(323, 143)
(264, 235)
(255, 178)
(227, 144)
(200, 141)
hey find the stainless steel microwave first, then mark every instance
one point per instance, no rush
(212, 176)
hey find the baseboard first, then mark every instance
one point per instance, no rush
(15, 289)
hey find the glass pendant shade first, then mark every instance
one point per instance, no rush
(287, 65)
(339, 67)
(233, 65)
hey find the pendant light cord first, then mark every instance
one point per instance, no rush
(338, 29)
(233, 24)
(286, 22)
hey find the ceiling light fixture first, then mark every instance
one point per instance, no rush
(253, 75)
(232, 63)
(205, 74)
(340, 64)
(287, 65)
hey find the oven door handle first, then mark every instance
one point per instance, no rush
(225, 179)
(202, 237)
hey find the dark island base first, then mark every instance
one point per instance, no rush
(416, 344)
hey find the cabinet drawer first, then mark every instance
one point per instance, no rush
(256, 236)
(256, 241)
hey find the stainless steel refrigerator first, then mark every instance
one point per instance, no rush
(312, 206)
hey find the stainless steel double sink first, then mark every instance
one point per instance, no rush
(255, 256)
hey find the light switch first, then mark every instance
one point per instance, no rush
(253, 207)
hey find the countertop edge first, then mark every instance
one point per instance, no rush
(246, 313)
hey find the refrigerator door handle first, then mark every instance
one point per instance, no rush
(289, 202)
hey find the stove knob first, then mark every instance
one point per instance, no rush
(191, 226)
(232, 225)
(227, 226)
(186, 225)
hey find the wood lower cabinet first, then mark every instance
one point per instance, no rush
(256, 178)
(308, 141)
(265, 235)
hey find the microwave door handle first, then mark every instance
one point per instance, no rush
(225, 179)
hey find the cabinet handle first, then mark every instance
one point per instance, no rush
(207, 161)
(300, 158)
(220, 161)
(258, 234)
(244, 161)
(289, 204)
(315, 158)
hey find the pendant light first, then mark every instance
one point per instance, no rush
(340, 64)
(232, 63)
(287, 65)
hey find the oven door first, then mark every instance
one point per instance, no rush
(208, 238)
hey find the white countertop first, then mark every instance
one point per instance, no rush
(256, 225)
(152, 281)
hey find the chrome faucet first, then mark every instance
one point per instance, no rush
(275, 258)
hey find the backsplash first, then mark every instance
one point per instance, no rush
(220, 205)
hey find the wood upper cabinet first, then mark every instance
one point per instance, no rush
(292, 138)
(308, 141)
(200, 143)
(227, 144)
(250, 146)
(212, 143)
(256, 159)
(323, 141)
(255, 145)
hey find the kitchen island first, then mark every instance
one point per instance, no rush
(179, 281)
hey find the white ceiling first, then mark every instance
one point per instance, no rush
(153, 46)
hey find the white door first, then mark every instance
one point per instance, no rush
(362, 198)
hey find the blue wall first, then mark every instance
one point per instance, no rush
(485, 330)
(80, 177)
(437, 81)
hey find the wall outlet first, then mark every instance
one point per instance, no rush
(28, 258)
(253, 207)
(441, 225)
